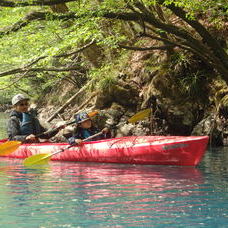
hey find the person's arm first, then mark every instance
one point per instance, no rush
(13, 130)
(76, 138)
(71, 140)
(107, 130)
(49, 134)
(40, 130)
(106, 133)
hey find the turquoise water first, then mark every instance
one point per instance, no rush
(114, 195)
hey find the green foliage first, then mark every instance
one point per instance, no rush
(191, 84)
(53, 37)
(5, 97)
(102, 78)
(107, 82)
(106, 76)
(40, 38)
(212, 8)
(10, 16)
(189, 77)
(180, 59)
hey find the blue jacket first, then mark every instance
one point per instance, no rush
(81, 133)
(21, 125)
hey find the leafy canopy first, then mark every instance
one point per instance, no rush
(52, 37)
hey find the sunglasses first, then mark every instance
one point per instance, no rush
(24, 104)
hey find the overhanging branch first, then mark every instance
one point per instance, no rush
(165, 47)
(38, 69)
(33, 16)
(203, 32)
(27, 69)
(4, 3)
(61, 55)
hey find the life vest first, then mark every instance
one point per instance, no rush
(26, 124)
(85, 133)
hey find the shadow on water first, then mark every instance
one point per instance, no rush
(215, 161)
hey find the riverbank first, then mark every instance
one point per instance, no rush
(3, 125)
(121, 65)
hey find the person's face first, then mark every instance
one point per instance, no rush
(22, 106)
(86, 124)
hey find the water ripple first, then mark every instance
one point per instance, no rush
(113, 195)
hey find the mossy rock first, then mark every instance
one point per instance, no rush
(126, 97)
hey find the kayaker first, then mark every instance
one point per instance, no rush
(23, 124)
(85, 129)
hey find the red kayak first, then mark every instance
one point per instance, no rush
(150, 150)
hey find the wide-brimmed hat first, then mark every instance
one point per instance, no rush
(81, 117)
(19, 97)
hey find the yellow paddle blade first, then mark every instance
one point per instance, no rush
(37, 159)
(9, 147)
(140, 116)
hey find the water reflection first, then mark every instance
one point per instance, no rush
(216, 161)
(108, 195)
(90, 176)
(101, 189)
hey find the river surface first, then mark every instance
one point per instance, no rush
(66, 194)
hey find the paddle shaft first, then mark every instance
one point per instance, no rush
(10, 146)
(137, 116)
(45, 157)
(91, 114)
(54, 129)
(84, 140)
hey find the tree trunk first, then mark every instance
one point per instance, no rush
(60, 8)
